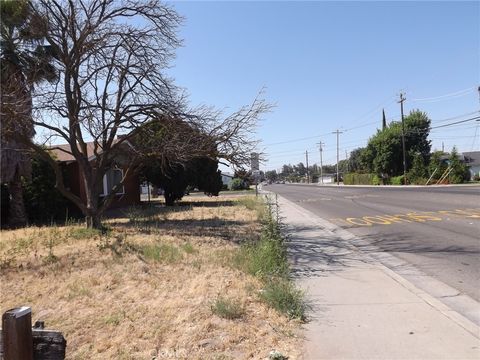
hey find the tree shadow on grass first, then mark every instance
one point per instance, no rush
(231, 230)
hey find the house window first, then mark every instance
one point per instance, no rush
(111, 178)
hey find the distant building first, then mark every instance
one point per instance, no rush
(327, 179)
(472, 160)
(227, 179)
(127, 195)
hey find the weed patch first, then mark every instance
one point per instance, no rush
(114, 319)
(79, 233)
(266, 259)
(162, 253)
(188, 248)
(283, 296)
(227, 308)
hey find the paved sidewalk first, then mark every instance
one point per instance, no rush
(362, 309)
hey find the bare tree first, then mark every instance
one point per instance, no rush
(233, 134)
(111, 56)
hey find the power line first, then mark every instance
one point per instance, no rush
(476, 118)
(446, 96)
(456, 117)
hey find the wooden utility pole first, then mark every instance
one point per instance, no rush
(346, 158)
(402, 99)
(338, 132)
(320, 144)
(308, 175)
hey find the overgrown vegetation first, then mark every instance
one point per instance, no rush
(174, 287)
(380, 162)
(266, 258)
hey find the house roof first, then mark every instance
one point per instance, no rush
(61, 155)
(472, 158)
(62, 152)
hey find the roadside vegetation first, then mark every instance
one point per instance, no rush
(202, 281)
(380, 162)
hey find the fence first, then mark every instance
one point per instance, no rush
(20, 341)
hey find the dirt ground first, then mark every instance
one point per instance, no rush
(145, 290)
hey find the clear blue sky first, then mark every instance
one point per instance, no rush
(329, 65)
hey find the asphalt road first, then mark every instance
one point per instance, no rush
(435, 229)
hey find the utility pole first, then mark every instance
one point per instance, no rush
(402, 99)
(346, 158)
(321, 160)
(306, 157)
(338, 175)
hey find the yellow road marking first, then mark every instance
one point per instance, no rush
(416, 216)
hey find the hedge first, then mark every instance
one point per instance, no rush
(361, 179)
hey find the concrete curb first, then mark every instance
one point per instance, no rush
(341, 185)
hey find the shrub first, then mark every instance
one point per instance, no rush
(227, 308)
(238, 184)
(43, 202)
(376, 180)
(361, 179)
(397, 180)
(419, 181)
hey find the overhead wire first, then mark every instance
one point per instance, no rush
(455, 94)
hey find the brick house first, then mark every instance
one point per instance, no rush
(128, 195)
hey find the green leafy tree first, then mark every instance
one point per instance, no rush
(300, 169)
(355, 163)
(418, 172)
(436, 166)
(271, 175)
(383, 154)
(201, 173)
(459, 171)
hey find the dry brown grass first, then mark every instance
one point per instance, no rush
(146, 291)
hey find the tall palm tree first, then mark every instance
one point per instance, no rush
(25, 61)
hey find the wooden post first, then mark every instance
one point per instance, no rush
(17, 334)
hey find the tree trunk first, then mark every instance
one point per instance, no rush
(92, 213)
(93, 221)
(17, 214)
(169, 198)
